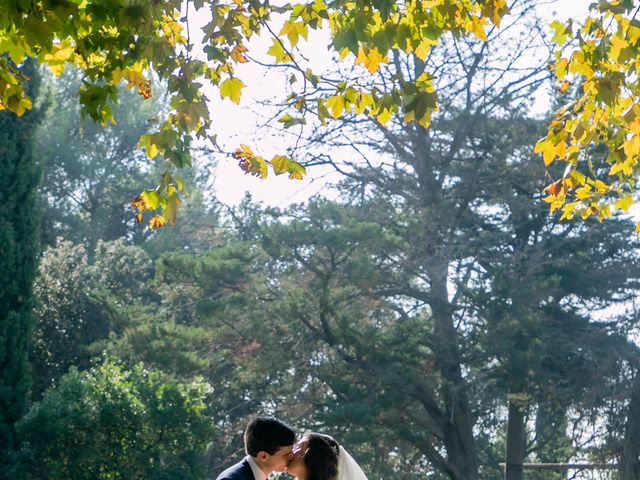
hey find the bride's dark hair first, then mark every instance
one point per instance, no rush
(321, 458)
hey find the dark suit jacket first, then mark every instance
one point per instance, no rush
(239, 471)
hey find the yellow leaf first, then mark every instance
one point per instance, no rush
(567, 211)
(583, 193)
(616, 167)
(425, 121)
(244, 152)
(601, 187)
(495, 10)
(336, 104)
(370, 58)
(561, 67)
(633, 34)
(293, 31)
(231, 88)
(634, 127)
(617, 44)
(296, 170)
(259, 167)
(171, 209)
(624, 203)
(152, 151)
(551, 151)
(556, 203)
(579, 65)
(280, 164)
(477, 28)
(63, 54)
(278, 52)
(364, 100)
(148, 142)
(423, 49)
(632, 146)
(172, 31)
(384, 116)
(409, 116)
(577, 177)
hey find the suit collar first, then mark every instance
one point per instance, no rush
(255, 469)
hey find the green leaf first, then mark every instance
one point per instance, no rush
(607, 91)
(280, 164)
(561, 32)
(259, 167)
(323, 112)
(295, 170)
(147, 142)
(171, 207)
(346, 38)
(289, 121)
(151, 198)
(278, 52)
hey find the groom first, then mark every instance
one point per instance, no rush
(268, 443)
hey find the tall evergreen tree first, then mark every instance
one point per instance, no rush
(19, 221)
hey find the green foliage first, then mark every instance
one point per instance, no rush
(226, 309)
(112, 423)
(113, 43)
(200, 233)
(599, 58)
(89, 171)
(80, 302)
(118, 43)
(19, 248)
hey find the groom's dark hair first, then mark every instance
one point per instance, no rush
(267, 434)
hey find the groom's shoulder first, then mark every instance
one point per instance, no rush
(239, 471)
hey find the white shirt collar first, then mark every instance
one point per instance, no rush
(257, 473)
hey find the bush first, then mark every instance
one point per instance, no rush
(110, 423)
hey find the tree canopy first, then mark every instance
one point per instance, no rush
(116, 42)
(122, 43)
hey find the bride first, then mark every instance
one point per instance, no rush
(319, 457)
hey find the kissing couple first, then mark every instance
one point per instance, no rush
(271, 446)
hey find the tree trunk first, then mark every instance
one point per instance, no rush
(630, 460)
(552, 444)
(457, 424)
(516, 442)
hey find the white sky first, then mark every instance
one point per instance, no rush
(238, 124)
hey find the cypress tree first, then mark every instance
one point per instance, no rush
(19, 222)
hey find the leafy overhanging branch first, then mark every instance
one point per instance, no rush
(116, 43)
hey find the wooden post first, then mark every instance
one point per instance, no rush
(516, 440)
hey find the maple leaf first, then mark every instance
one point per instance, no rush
(232, 88)
(370, 58)
(238, 54)
(158, 221)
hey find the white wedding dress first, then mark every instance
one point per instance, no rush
(348, 468)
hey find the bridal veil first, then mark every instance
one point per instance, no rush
(348, 468)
